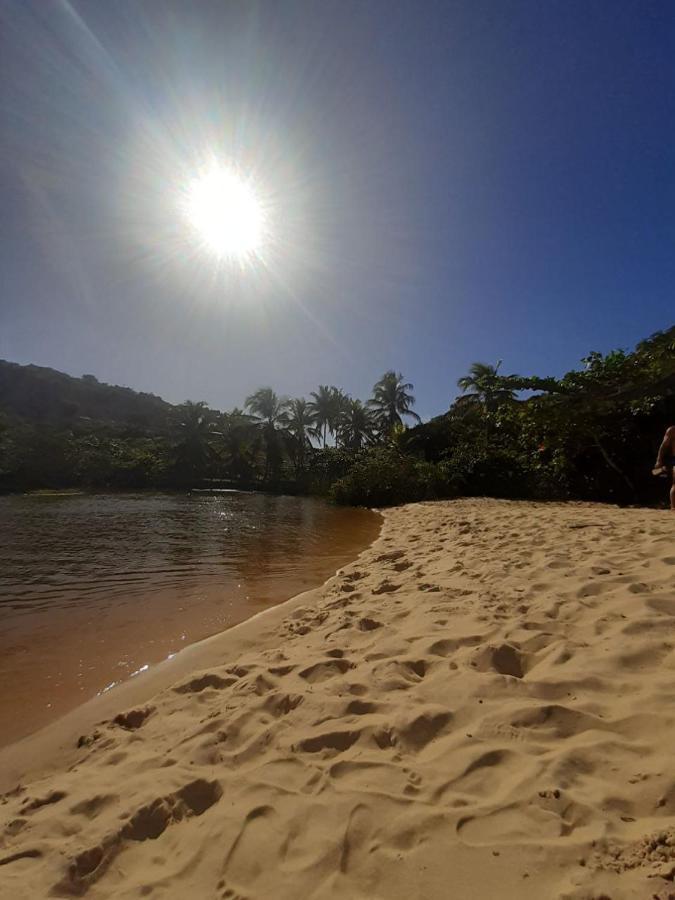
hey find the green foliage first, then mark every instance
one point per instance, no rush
(485, 389)
(327, 407)
(392, 401)
(194, 428)
(356, 426)
(591, 434)
(327, 466)
(386, 477)
(300, 427)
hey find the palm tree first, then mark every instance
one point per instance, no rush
(300, 426)
(237, 430)
(323, 409)
(270, 412)
(356, 427)
(341, 406)
(485, 387)
(195, 427)
(485, 390)
(391, 401)
(266, 406)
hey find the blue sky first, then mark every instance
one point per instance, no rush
(450, 182)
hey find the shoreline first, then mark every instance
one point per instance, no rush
(97, 588)
(55, 741)
(478, 705)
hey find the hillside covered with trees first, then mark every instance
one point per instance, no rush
(591, 434)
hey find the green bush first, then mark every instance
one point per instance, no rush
(385, 477)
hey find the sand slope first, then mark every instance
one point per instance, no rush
(480, 706)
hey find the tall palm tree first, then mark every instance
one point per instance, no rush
(485, 387)
(341, 406)
(300, 427)
(194, 424)
(356, 427)
(323, 409)
(237, 431)
(270, 412)
(266, 406)
(484, 391)
(391, 401)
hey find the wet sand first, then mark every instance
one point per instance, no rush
(479, 706)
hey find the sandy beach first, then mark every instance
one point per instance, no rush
(480, 705)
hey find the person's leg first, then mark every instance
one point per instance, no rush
(672, 490)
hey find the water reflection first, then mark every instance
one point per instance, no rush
(93, 587)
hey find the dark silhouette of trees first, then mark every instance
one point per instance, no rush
(356, 427)
(238, 443)
(195, 427)
(300, 428)
(591, 434)
(391, 402)
(326, 405)
(484, 387)
(270, 412)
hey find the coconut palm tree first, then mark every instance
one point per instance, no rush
(485, 390)
(301, 427)
(341, 406)
(391, 401)
(237, 432)
(485, 387)
(356, 427)
(269, 411)
(195, 424)
(323, 409)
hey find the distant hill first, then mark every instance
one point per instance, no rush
(44, 396)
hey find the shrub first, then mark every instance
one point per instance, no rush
(385, 477)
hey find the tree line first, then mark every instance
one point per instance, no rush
(591, 434)
(272, 442)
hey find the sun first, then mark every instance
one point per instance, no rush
(226, 214)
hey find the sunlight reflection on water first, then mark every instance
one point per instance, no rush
(95, 588)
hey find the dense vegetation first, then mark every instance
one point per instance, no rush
(592, 434)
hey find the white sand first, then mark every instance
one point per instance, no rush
(480, 706)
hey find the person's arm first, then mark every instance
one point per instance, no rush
(666, 445)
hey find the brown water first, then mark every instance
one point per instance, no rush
(94, 588)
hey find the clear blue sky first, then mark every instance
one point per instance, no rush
(451, 182)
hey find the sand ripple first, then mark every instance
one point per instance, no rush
(480, 706)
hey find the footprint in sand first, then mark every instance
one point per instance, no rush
(419, 731)
(91, 807)
(133, 719)
(367, 624)
(390, 557)
(146, 824)
(337, 741)
(505, 659)
(356, 837)
(329, 668)
(202, 682)
(32, 805)
(386, 587)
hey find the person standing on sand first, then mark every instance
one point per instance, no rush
(665, 460)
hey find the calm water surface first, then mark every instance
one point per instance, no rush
(95, 587)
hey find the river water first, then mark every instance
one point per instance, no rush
(94, 588)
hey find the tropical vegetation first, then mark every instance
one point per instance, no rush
(591, 434)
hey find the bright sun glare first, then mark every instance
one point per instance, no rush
(226, 214)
